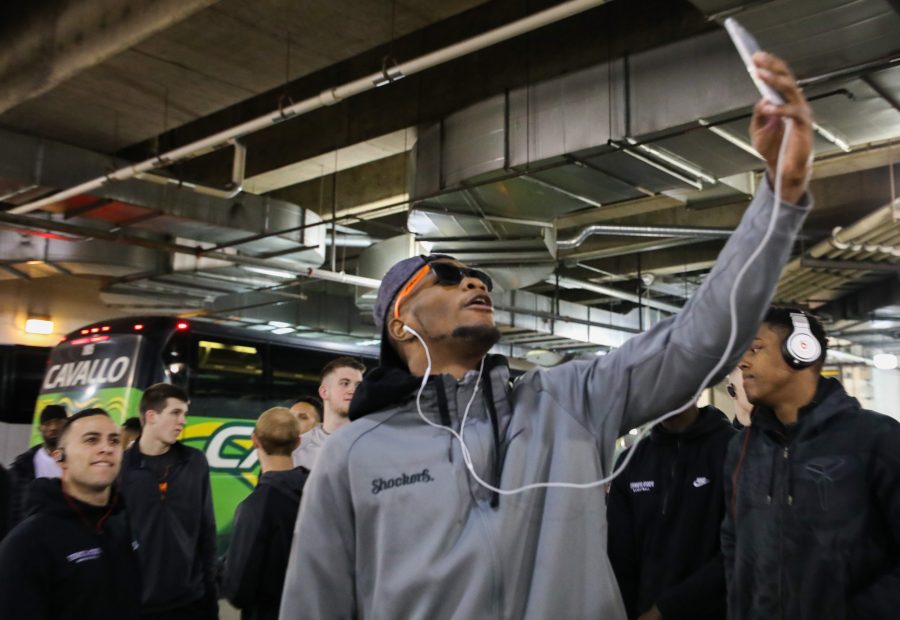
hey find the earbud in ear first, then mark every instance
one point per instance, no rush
(62, 456)
(410, 330)
(731, 390)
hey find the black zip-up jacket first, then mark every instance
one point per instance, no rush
(664, 513)
(6, 491)
(261, 543)
(175, 528)
(69, 560)
(812, 530)
(22, 474)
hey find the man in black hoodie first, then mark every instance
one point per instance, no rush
(36, 462)
(812, 527)
(664, 513)
(264, 523)
(165, 485)
(74, 556)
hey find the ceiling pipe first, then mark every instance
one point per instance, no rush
(235, 187)
(327, 97)
(872, 248)
(612, 292)
(642, 231)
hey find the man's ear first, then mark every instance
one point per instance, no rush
(254, 441)
(323, 392)
(396, 332)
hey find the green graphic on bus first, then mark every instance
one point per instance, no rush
(119, 402)
(233, 465)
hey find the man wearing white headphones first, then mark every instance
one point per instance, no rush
(812, 527)
(445, 497)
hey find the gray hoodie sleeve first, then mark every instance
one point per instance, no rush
(661, 368)
(321, 569)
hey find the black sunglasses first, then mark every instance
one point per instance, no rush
(447, 273)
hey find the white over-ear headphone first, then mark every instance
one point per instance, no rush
(801, 349)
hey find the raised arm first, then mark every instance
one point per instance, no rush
(662, 368)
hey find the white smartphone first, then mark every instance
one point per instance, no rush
(746, 46)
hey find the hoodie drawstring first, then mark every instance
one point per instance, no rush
(495, 425)
(445, 414)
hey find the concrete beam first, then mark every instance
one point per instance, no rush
(369, 183)
(53, 41)
(662, 262)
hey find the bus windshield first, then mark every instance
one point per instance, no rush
(93, 371)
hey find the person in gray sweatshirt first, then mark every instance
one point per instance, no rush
(395, 525)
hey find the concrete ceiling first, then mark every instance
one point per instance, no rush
(607, 118)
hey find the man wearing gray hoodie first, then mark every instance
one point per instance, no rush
(395, 524)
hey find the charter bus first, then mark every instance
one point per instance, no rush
(231, 374)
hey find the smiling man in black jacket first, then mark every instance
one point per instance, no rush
(664, 513)
(812, 530)
(73, 557)
(166, 489)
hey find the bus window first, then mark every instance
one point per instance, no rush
(232, 358)
(176, 359)
(227, 380)
(295, 372)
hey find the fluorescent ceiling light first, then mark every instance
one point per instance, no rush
(831, 137)
(878, 324)
(283, 330)
(669, 159)
(279, 324)
(885, 361)
(276, 273)
(38, 326)
(733, 139)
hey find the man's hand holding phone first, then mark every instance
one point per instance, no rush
(767, 126)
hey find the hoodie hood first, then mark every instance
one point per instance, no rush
(290, 481)
(708, 421)
(830, 399)
(45, 496)
(389, 385)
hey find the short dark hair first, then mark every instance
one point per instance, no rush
(84, 413)
(155, 397)
(132, 424)
(53, 412)
(313, 401)
(341, 362)
(779, 319)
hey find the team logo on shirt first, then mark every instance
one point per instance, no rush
(83, 556)
(642, 486)
(383, 484)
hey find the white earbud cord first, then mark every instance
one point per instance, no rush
(732, 337)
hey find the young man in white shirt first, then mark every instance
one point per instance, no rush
(339, 380)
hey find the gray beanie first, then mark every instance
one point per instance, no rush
(391, 284)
